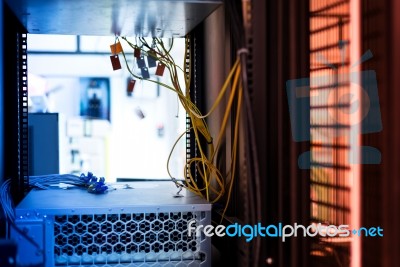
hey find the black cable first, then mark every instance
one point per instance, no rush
(233, 8)
(253, 154)
(240, 27)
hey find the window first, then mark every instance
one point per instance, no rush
(331, 176)
(132, 133)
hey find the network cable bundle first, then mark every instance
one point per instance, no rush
(215, 182)
(138, 224)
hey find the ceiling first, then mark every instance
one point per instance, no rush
(149, 18)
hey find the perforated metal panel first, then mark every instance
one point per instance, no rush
(125, 238)
(150, 229)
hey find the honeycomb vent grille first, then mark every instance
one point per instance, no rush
(101, 239)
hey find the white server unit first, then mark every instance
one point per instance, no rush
(142, 225)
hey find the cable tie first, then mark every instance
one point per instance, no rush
(242, 50)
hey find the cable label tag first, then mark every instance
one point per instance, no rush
(140, 62)
(116, 48)
(151, 58)
(160, 69)
(145, 73)
(136, 52)
(116, 64)
(131, 86)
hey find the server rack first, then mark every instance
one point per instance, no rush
(16, 114)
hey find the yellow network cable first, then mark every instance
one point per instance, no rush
(214, 182)
(234, 151)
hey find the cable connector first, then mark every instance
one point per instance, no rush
(93, 184)
(179, 186)
(201, 126)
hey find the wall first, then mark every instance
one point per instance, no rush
(380, 195)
